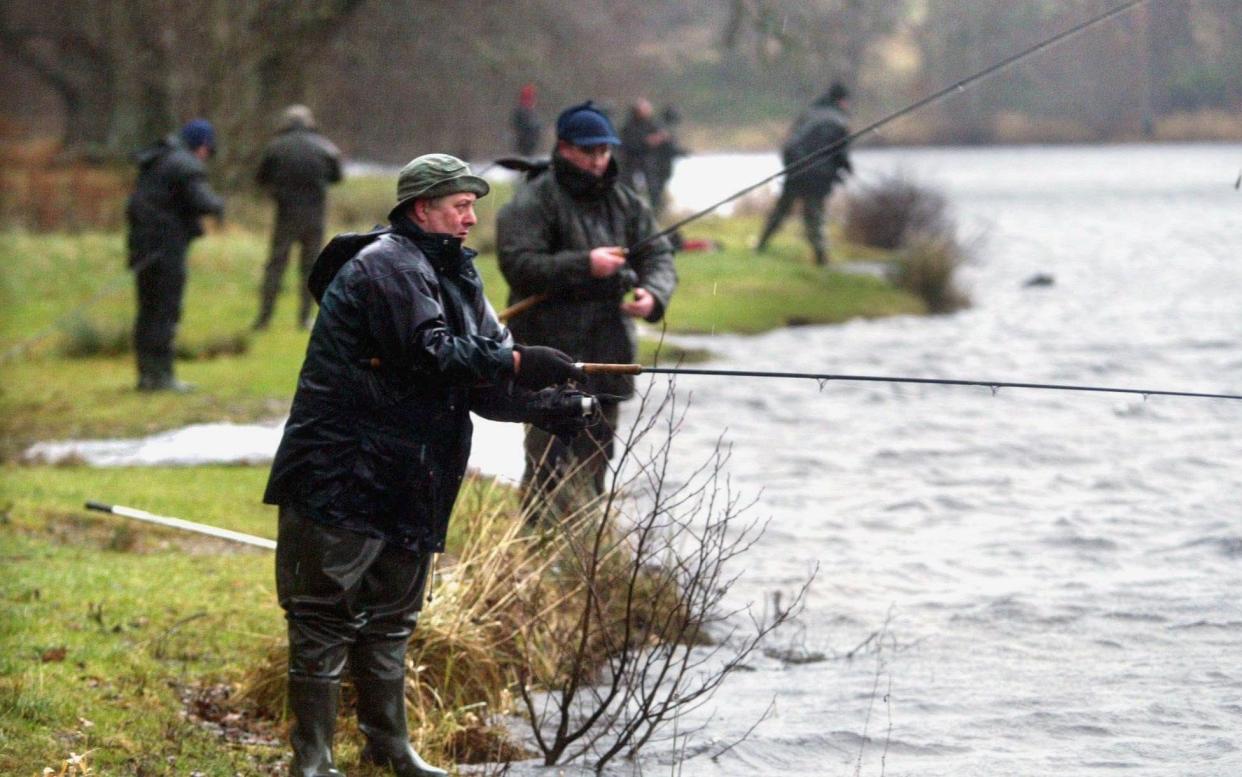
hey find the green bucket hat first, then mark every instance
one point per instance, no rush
(437, 175)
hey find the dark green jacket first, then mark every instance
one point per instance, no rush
(297, 167)
(545, 235)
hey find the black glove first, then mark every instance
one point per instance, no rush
(562, 411)
(542, 366)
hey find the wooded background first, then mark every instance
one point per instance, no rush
(392, 78)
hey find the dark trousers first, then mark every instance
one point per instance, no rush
(295, 225)
(560, 478)
(345, 594)
(160, 281)
(812, 202)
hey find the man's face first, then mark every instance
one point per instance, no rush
(591, 159)
(452, 214)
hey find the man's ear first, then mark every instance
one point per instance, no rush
(418, 211)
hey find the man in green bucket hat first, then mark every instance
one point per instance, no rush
(404, 348)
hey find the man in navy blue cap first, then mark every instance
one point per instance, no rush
(164, 213)
(566, 236)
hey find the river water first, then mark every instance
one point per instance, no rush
(1054, 576)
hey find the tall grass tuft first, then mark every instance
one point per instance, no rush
(899, 214)
(84, 338)
(928, 267)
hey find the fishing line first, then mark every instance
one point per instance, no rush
(826, 377)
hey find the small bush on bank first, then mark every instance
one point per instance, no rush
(888, 214)
(899, 214)
(927, 268)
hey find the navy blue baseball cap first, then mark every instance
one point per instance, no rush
(585, 125)
(199, 132)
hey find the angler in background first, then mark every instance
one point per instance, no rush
(824, 123)
(663, 157)
(297, 167)
(642, 137)
(164, 215)
(405, 347)
(525, 123)
(563, 235)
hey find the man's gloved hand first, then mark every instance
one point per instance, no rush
(562, 411)
(540, 366)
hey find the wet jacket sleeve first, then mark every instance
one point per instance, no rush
(526, 232)
(503, 401)
(194, 193)
(654, 264)
(407, 322)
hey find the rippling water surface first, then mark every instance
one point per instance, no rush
(1056, 575)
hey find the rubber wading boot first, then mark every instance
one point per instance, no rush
(313, 702)
(381, 709)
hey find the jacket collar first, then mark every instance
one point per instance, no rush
(579, 183)
(445, 252)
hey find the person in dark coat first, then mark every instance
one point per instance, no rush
(663, 155)
(296, 169)
(405, 347)
(525, 123)
(566, 235)
(642, 137)
(164, 215)
(824, 123)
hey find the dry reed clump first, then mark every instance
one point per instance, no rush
(928, 268)
(41, 192)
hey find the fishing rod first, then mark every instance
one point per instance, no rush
(825, 377)
(181, 523)
(957, 86)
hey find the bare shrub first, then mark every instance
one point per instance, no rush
(890, 213)
(649, 636)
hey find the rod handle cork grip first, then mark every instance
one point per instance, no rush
(611, 369)
(521, 306)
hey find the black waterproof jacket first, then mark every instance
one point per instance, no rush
(297, 167)
(545, 235)
(382, 451)
(170, 197)
(823, 124)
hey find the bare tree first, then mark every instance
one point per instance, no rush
(648, 637)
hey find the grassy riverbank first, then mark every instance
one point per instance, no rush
(69, 304)
(134, 643)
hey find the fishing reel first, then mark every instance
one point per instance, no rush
(563, 411)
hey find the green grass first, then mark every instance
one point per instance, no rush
(109, 623)
(737, 290)
(56, 286)
(106, 622)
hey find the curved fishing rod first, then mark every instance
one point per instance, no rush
(957, 86)
(824, 377)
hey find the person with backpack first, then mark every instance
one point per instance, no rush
(822, 125)
(404, 348)
(164, 214)
(297, 167)
(566, 235)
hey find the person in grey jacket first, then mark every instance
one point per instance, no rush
(297, 168)
(404, 349)
(163, 214)
(567, 235)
